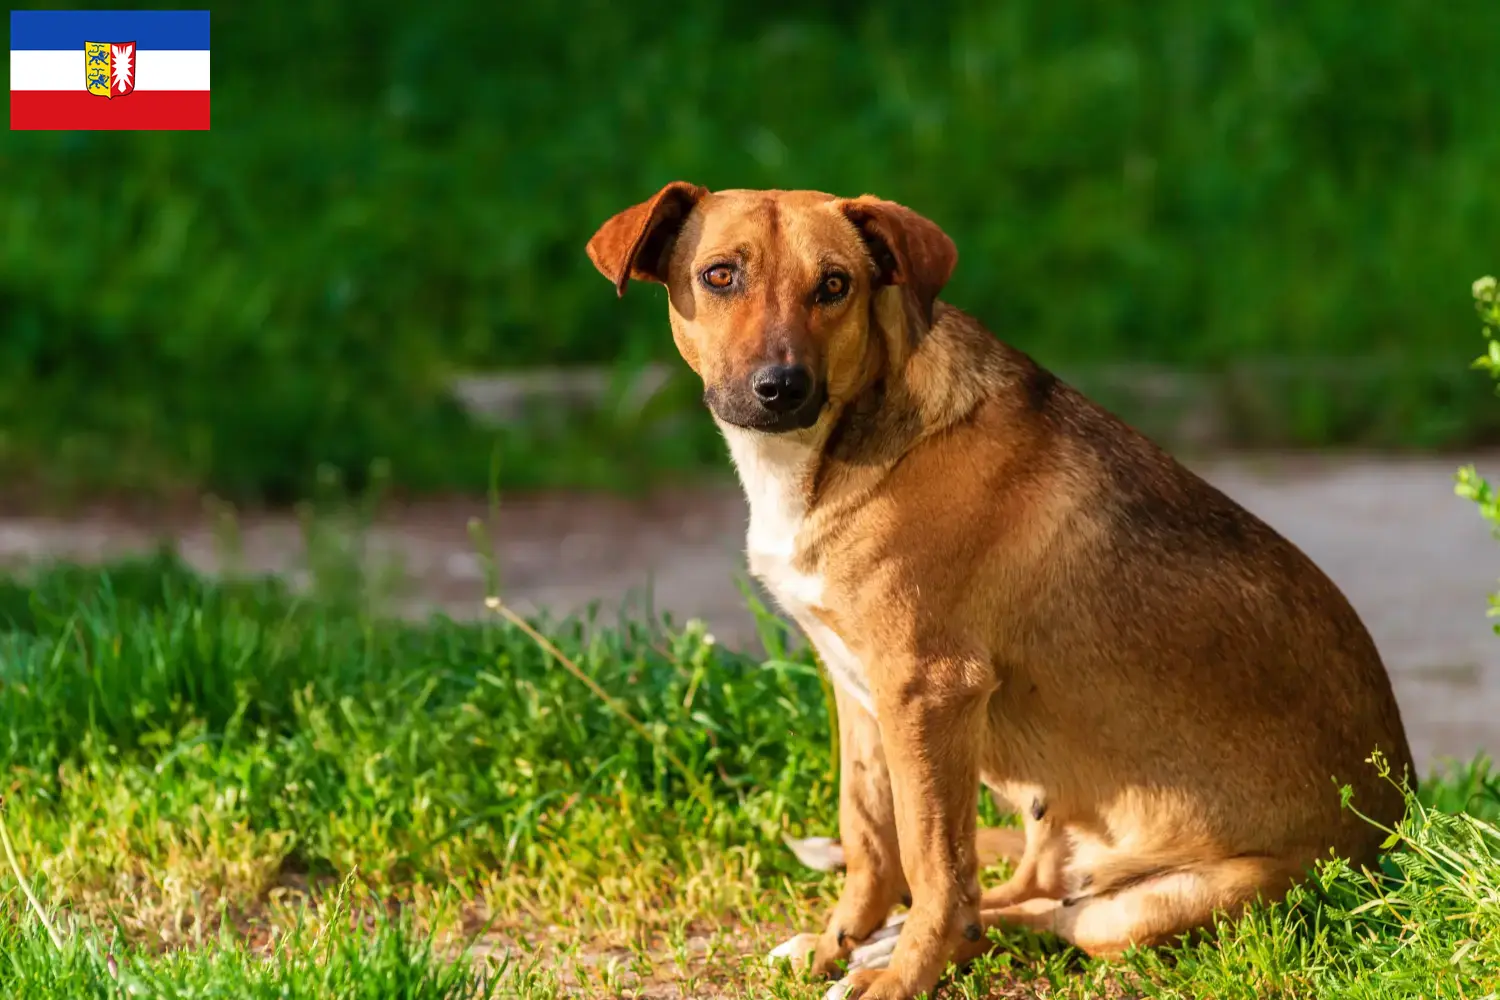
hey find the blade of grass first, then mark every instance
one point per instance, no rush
(15, 867)
(699, 788)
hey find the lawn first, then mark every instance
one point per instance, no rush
(226, 789)
(394, 193)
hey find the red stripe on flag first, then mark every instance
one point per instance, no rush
(78, 109)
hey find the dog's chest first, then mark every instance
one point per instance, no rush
(772, 472)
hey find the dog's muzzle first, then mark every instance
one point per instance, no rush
(775, 398)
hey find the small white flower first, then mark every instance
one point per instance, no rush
(1484, 288)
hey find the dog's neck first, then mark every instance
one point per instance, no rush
(919, 385)
(775, 471)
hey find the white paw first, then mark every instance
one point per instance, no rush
(822, 854)
(837, 991)
(876, 952)
(793, 949)
(872, 953)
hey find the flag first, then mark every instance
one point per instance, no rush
(109, 69)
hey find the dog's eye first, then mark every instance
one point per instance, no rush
(720, 276)
(833, 288)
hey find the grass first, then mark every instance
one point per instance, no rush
(383, 959)
(394, 192)
(227, 789)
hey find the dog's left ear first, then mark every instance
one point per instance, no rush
(908, 249)
(634, 243)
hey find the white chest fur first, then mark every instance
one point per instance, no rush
(773, 470)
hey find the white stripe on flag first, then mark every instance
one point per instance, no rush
(156, 69)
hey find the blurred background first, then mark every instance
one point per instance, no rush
(1246, 226)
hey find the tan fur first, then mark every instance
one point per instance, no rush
(1012, 587)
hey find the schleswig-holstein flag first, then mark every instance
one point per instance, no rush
(109, 69)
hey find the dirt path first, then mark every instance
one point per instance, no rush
(1416, 561)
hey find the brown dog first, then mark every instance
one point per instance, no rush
(1011, 587)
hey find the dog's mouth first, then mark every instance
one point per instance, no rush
(740, 409)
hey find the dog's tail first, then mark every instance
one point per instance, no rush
(992, 844)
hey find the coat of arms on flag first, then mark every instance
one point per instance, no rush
(109, 67)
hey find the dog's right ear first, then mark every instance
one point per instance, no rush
(634, 244)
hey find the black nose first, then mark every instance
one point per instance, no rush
(782, 388)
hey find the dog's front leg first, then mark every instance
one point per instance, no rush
(867, 831)
(931, 722)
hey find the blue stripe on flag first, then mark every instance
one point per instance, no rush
(56, 30)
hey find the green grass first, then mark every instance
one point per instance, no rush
(383, 960)
(227, 789)
(393, 192)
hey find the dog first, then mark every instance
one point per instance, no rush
(1011, 588)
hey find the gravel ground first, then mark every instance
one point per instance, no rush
(1416, 561)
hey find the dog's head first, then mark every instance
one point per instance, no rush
(773, 294)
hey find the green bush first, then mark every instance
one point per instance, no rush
(392, 192)
(1469, 483)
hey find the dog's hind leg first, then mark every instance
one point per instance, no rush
(1149, 913)
(999, 843)
(1159, 909)
(1039, 865)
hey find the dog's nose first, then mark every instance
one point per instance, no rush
(782, 388)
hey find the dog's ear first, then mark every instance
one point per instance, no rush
(635, 242)
(908, 249)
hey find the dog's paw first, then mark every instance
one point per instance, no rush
(869, 958)
(877, 951)
(797, 951)
(821, 854)
(838, 991)
(866, 984)
(872, 953)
